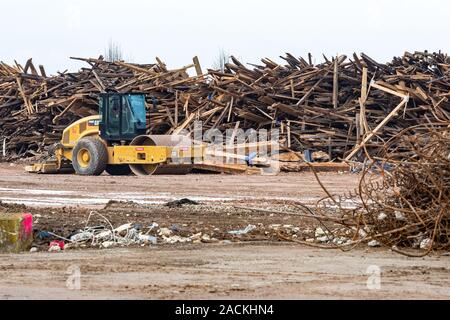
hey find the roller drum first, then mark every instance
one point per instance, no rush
(161, 169)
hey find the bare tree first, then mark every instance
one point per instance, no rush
(221, 60)
(113, 52)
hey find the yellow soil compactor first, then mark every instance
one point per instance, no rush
(116, 141)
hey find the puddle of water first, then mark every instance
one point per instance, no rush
(64, 203)
(36, 191)
(97, 201)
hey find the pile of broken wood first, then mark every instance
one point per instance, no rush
(327, 107)
(319, 107)
(35, 108)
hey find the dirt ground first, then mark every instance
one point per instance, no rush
(62, 190)
(253, 266)
(258, 271)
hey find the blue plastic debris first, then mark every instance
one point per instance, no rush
(250, 157)
(42, 235)
(308, 155)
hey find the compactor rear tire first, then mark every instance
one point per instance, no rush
(118, 170)
(89, 157)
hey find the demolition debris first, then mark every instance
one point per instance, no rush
(403, 198)
(321, 108)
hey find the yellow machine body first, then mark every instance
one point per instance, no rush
(85, 127)
(145, 154)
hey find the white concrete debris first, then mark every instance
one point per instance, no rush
(319, 232)
(124, 235)
(248, 229)
(400, 216)
(323, 239)
(82, 236)
(123, 227)
(147, 239)
(382, 216)
(425, 244)
(196, 236)
(374, 243)
(165, 232)
(362, 233)
(206, 238)
(54, 248)
(132, 234)
(108, 244)
(340, 240)
(176, 239)
(322, 235)
(103, 235)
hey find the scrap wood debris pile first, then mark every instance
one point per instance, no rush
(36, 108)
(403, 198)
(320, 107)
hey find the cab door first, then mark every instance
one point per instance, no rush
(111, 117)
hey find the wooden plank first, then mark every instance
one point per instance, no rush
(59, 116)
(42, 69)
(27, 102)
(392, 114)
(364, 126)
(184, 124)
(336, 83)
(289, 133)
(395, 93)
(198, 68)
(176, 108)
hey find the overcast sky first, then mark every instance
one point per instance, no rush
(51, 31)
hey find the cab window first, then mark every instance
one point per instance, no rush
(113, 116)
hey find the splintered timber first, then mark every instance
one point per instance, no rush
(323, 107)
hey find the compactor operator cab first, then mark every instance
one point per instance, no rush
(122, 116)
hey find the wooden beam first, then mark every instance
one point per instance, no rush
(292, 88)
(392, 114)
(198, 68)
(56, 119)
(307, 94)
(336, 83)
(289, 133)
(395, 93)
(184, 125)
(176, 108)
(100, 82)
(27, 101)
(42, 69)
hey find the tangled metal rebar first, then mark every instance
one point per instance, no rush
(403, 198)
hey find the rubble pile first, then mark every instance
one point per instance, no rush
(322, 107)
